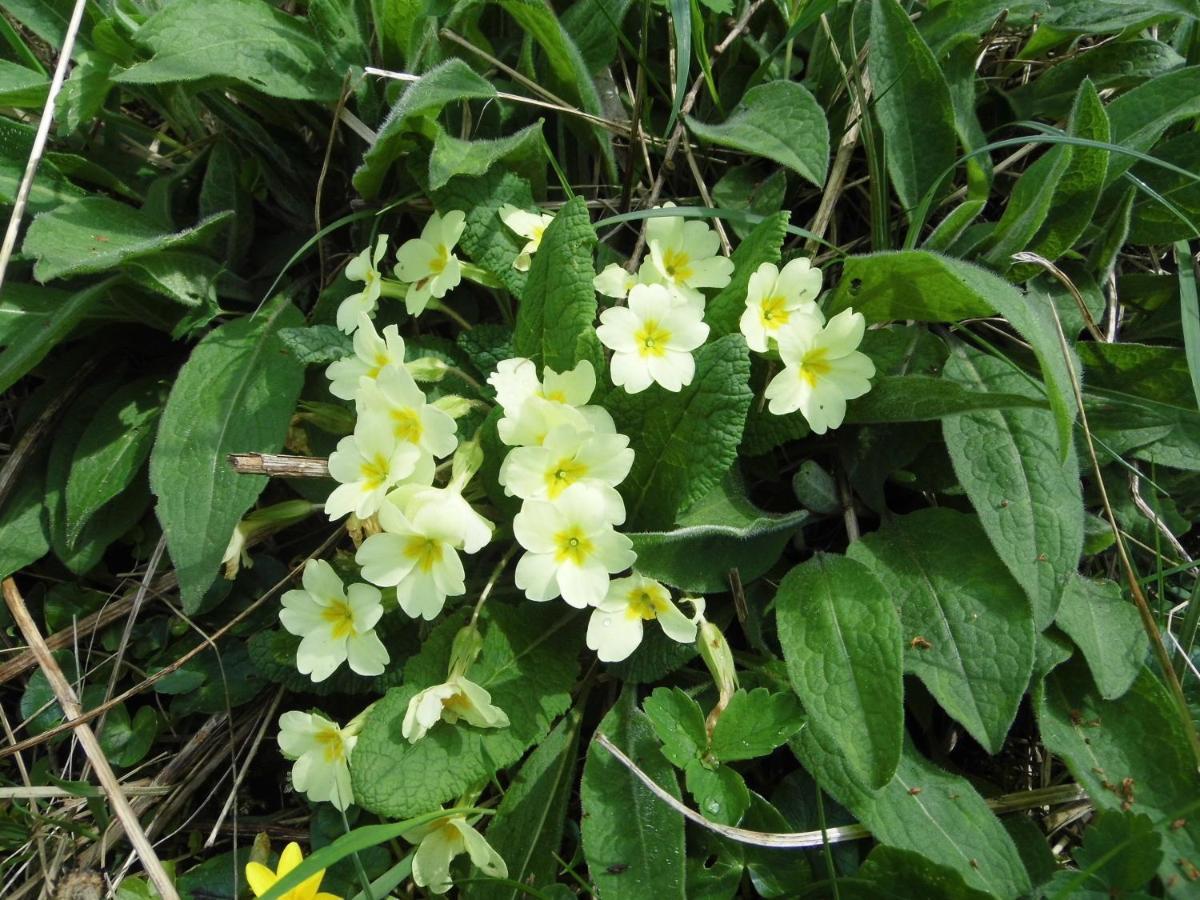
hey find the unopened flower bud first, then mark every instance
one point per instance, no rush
(467, 644)
(258, 525)
(715, 652)
(467, 460)
(427, 368)
(453, 405)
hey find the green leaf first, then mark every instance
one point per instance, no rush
(923, 398)
(395, 778)
(911, 102)
(754, 724)
(719, 792)
(780, 121)
(975, 620)
(927, 287)
(96, 234)
(1189, 313)
(521, 151)
(112, 449)
(528, 826)
(185, 277)
(558, 307)
(748, 189)
(1029, 204)
(21, 87)
(244, 40)
(48, 19)
(1107, 628)
(721, 532)
(1156, 373)
(1128, 754)
(907, 875)
(317, 344)
(1139, 117)
(23, 530)
(841, 639)
(1028, 498)
(484, 238)
(235, 394)
(1116, 64)
(1120, 853)
(685, 442)
(679, 723)
(762, 245)
(926, 810)
(632, 841)
(681, 24)
(1153, 222)
(36, 334)
(1088, 16)
(447, 83)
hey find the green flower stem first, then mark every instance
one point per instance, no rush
(479, 276)
(439, 306)
(491, 582)
(395, 289)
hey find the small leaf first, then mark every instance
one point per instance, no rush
(1107, 628)
(720, 792)
(754, 724)
(235, 394)
(780, 121)
(679, 723)
(841, 640)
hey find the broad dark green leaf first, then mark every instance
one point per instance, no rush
(396, 778)
(528, 825)
(923, 398)
(762, 245)
(97, 234)
(684, 442)
(112, 450)
(558, 308)
(632, 841)
(1153, 372)
(245, 40)
(967, 625)
(911, 102)
(36, 322)
(1130, 754)
(235, 394)
(780, 121)
(24, 535)
(926, 810)
(896, 874)
(1139, 117)
(1028, 498)
(1108, 629)
(841, 639)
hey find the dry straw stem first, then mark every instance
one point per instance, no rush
(87, 739)
(280, 465)
(1052, 796)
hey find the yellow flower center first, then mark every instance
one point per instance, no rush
(536, 235)
(646, 603)
(555, 396)
(564, 473)
(438, 263)
(374, 472)
(406, 424)
(458, 703)
(773, 312)
(572, 546)
(330, 742)
(652, 339)
(678, 265)
(339, 617)
(814, 366)
(381, 360)
(425, 551)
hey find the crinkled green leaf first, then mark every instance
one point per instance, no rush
(967, 625)
(779, 121)
(317, 344)
(685, 442)
(632, 841)
(841, 639)
(245, 40)
(528, 664)
(1107, 628)
(558, 307)
(235, 394)
(1028, 498)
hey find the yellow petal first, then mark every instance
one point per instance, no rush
(259, 877)
(289, 858)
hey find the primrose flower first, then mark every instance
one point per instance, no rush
(615, 628)
(532, 407)
(614, 282)
(261, 879)
(321, 751)
(364, 268)
(336, 624)
(569, 456)
(822, 370)
(372, 354)
(428, 263)
(528, 225)
(775, 297)
(652, 339)
(417, 551)
(437, 845)
(394, 401)
(572, 548)
(368, 463)
(683, 256)
(456, 698)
